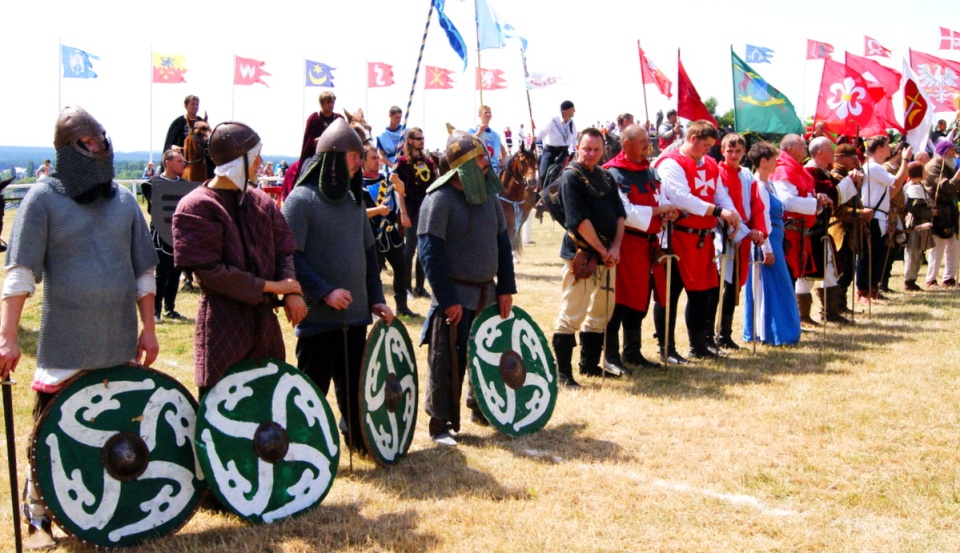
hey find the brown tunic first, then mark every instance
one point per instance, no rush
(233, 250)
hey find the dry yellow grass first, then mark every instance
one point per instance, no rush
(847, 445)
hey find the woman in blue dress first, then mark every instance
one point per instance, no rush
(777, 313)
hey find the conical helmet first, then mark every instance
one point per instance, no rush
(230, 140)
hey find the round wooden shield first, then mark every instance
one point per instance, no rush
(267, 441)
(113, 456)
(388, 392)
(512, 370)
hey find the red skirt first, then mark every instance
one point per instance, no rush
(634, 271)
(697, 266)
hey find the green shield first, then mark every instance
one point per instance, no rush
(113, 456)
(512, 370)
(267, 441)
(388, 392)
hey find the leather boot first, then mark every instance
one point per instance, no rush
(834, 296)
(632, 358)
(823, 303)
(563, 345)
(612, 361)
(591, 346)
(402, 309)
(805, 303)
(726, 333)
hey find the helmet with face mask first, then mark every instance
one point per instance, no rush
(84, 152)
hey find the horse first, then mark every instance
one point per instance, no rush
(195, 152)
(611, 146)
(359, 124)
(519, 194)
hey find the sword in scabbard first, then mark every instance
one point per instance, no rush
(455, 384)
(7, 386)
(668, 258)
(823, 286)
(346, 379)
(724, 257)
(756, 263)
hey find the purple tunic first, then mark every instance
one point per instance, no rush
(233, 250)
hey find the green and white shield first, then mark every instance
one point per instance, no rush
(512, 370)
(388, 393)
(267, 441)
(113, 456)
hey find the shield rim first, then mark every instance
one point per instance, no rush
(33, 445)
(334, 462)
(367, 440)
(494, 310)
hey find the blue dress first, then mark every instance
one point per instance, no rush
(778, 311)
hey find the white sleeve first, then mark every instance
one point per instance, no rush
(721, 197)
(879, 175)
(787, 193)
(638, 216)
(676, 191)
(846, 190)
(20, 281)
(147, 283)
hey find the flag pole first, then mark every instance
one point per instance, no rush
(60, 76)
(233, 89)
(303, 94)
(643, 85)
(150, 126)
(416, 72)
(476, 21)
(733, 79)
(526, 87)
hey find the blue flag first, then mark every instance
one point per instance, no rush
(76, 63)
(494, 33)
(453, 35)
(318, 74)
(758, 54)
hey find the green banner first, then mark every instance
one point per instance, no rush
(759, 107)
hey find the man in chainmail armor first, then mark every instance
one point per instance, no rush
(464, 245)
(85, 237)
(336, 262)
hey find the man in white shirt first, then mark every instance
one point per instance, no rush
(559, 137)
(878, 186)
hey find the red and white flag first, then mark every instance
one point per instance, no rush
(939, 79)
(651, 74)
(817, 50)
(844, 104)
(949, 40)
(689, 104)
(917, 111)
(490, 79)
(873, 48)
(882, 83)
(247, 71)
(438, 78)
(379, 74)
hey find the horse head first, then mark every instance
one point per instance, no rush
(201, 132)
(359, 124)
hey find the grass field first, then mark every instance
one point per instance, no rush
(848, 443)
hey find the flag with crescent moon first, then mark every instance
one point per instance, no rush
(318, 74)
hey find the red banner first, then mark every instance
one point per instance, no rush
(651, 74)
(247, 71)
(845, 105)
(938, 77)
(949, 40)
(817, 50)
(873, 48)
(689, 104)
(490, 79)
(438, 78)
(379, 74)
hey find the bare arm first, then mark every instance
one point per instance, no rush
(10, 311)
(147, 346)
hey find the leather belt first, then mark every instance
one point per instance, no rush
(701, 232)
